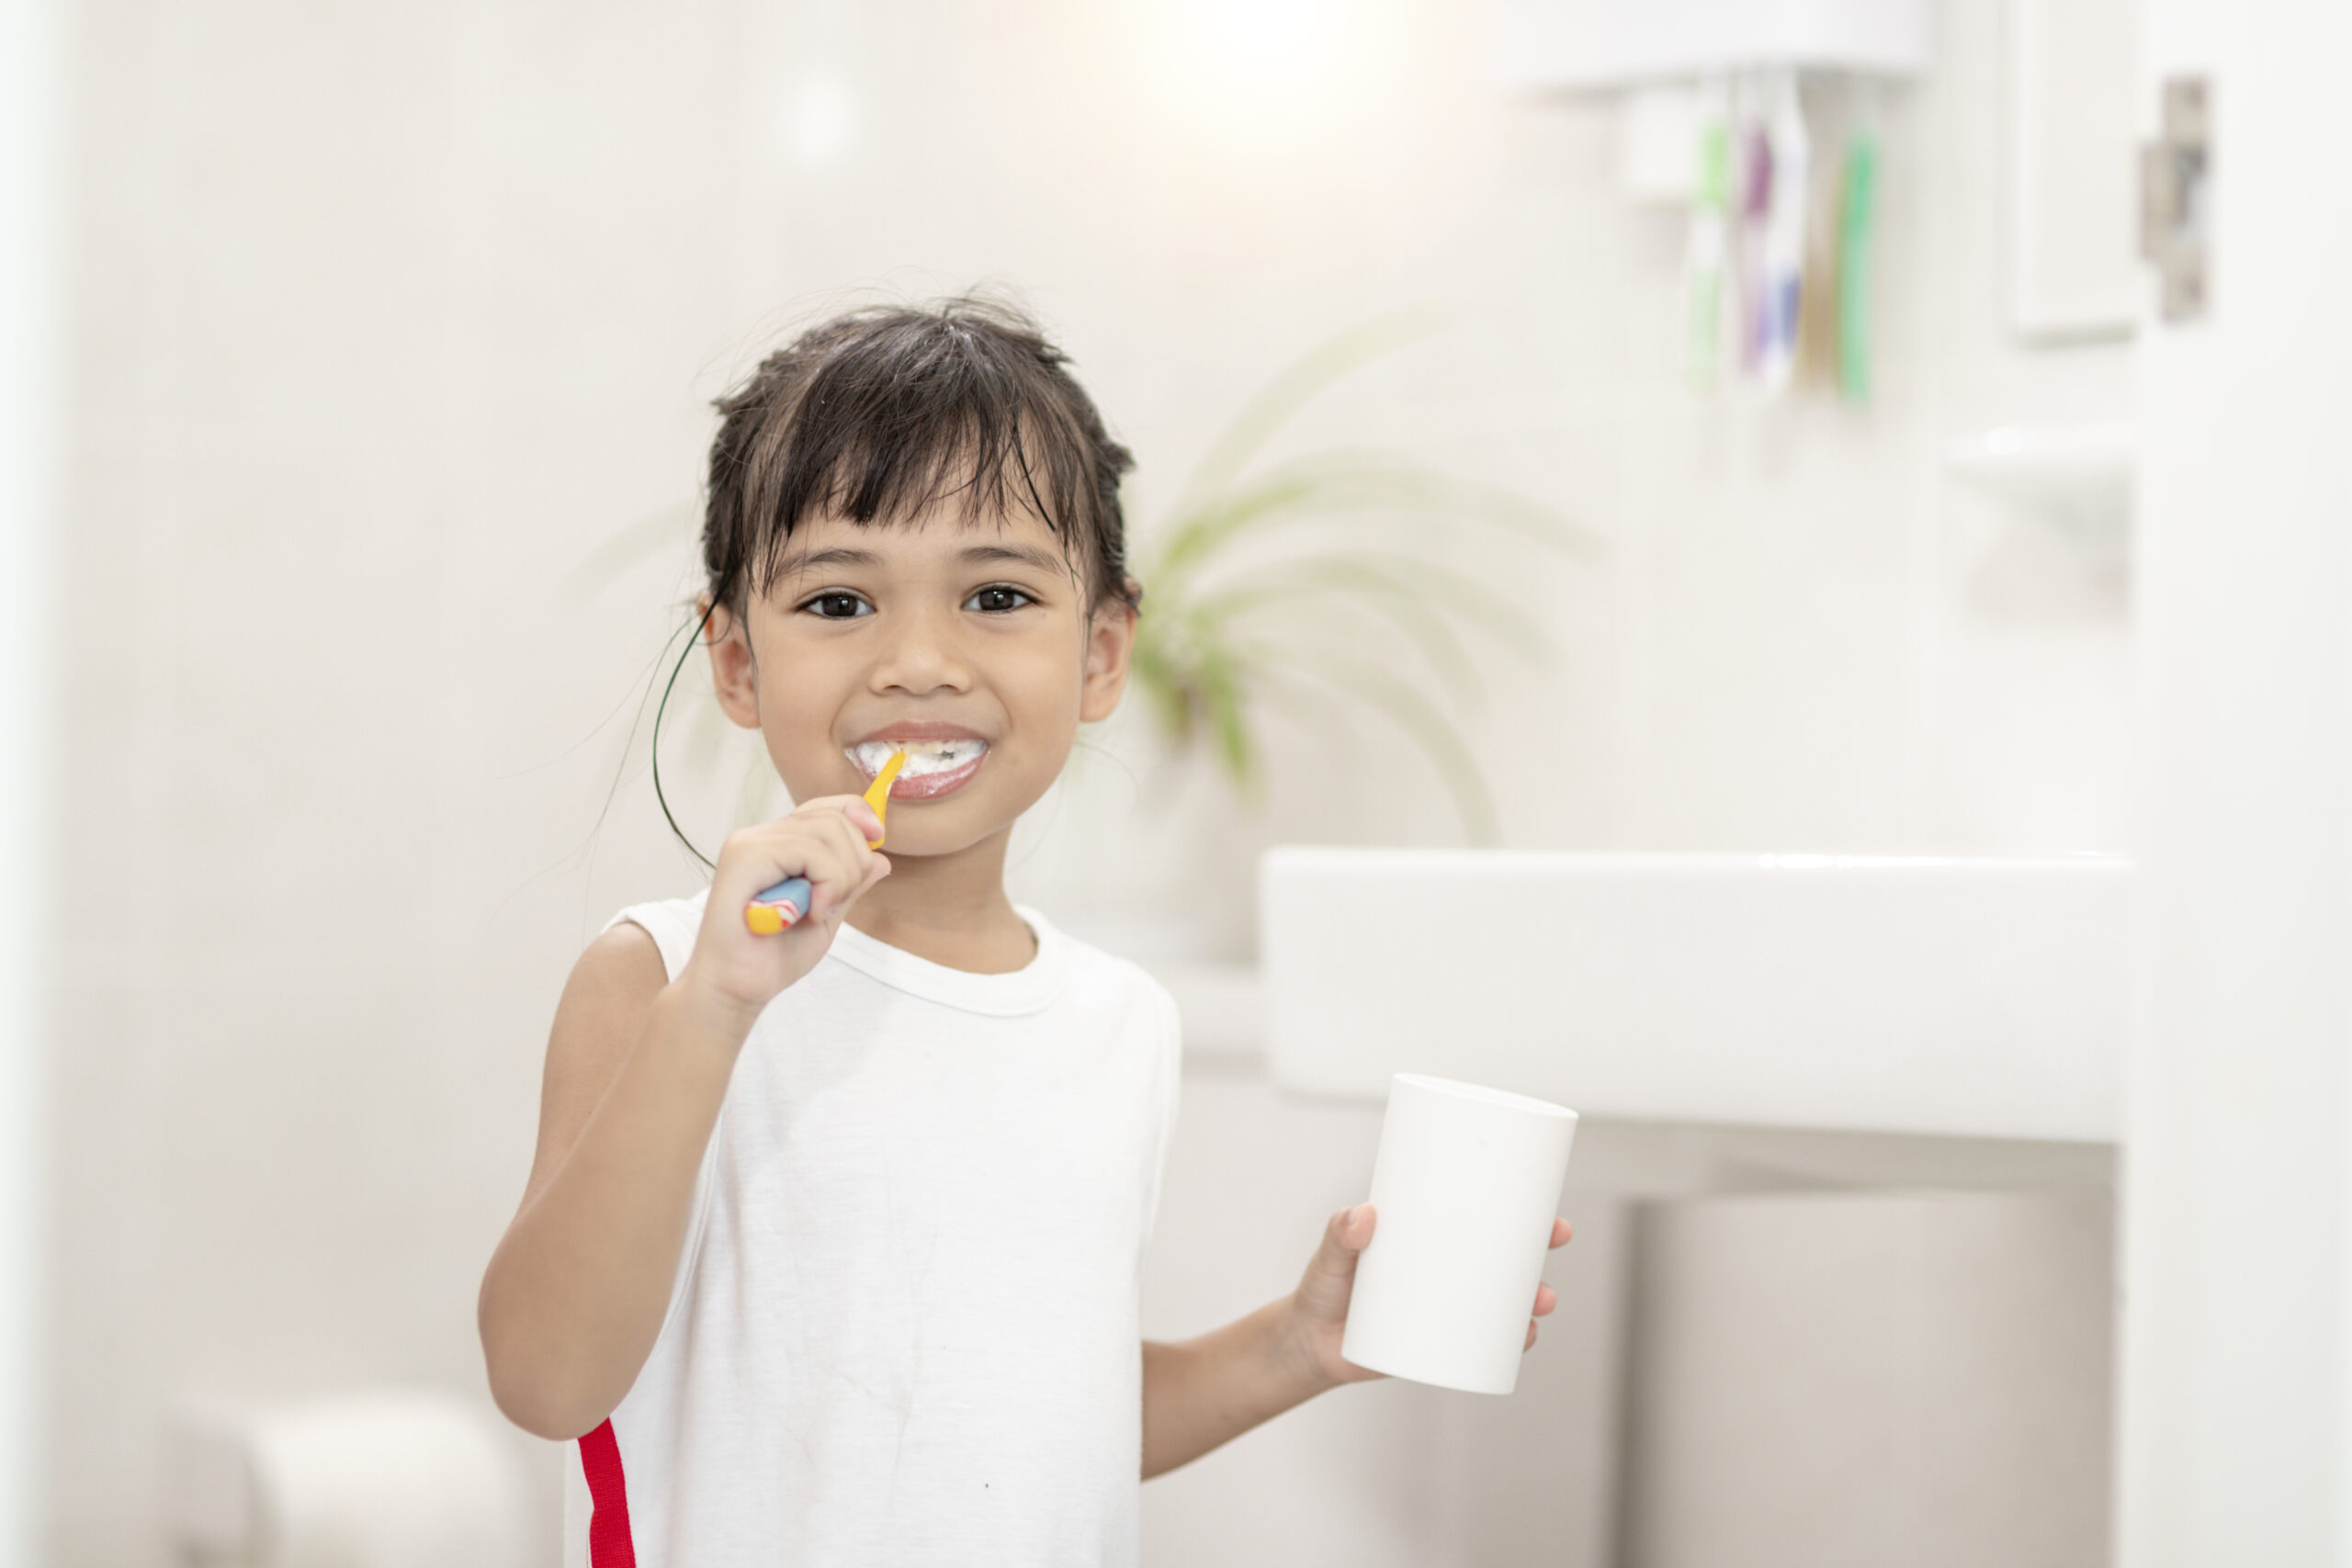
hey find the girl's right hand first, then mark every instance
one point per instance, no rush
(826, 841)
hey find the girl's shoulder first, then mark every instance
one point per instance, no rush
(673, 923)
(1097, 972)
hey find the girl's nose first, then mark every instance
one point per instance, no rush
(921, 659)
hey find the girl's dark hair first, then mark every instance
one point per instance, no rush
(878, 414)
(881, 412)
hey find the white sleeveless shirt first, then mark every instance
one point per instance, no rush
(903, 1331)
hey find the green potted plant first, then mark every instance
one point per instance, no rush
(1273, 588)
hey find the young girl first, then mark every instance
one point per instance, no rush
(830, 1248)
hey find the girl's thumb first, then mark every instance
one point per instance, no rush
(1347, 1233)
(1330, 1274)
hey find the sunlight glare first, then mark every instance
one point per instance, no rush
(820, 120)
(1243, 69)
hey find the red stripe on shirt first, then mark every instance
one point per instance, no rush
(609, 1545)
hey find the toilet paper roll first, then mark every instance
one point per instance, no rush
(395, 1479)
(1465, 1188)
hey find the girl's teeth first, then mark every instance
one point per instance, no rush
(923, 756)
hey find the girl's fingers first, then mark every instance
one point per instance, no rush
(849, 832)
(849, 858)
(850, 808)
(832, 854)
(1546, 1298)
(799, 845)
(831, 865)
(876, 867)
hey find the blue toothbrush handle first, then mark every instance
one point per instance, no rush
(774, 909)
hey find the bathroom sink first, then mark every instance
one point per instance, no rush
(1982, 997)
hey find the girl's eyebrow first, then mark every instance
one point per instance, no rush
(840, 555)
(802, 562)
(1023, 554)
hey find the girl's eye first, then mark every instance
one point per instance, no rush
(838, 607)
(995, 598)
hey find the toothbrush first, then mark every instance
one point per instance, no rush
(1783, 235)
(772, 909)
(1703, 261)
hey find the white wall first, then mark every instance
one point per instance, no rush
(387, 319)
(32, 152)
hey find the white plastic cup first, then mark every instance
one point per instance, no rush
(1464, 1189)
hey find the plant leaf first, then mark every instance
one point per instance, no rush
(1344, 581)
(1155, 668)
(1296, 385)
(1404, 579)
(1311, 709)
(1343, 481)
(1414, 713)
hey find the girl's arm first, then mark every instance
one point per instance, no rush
(1204, 1391)
(637, 1071)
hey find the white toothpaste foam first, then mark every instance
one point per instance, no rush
(924, 757)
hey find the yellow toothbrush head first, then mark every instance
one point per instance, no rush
(877, 794)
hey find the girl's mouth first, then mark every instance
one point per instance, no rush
(934, 768)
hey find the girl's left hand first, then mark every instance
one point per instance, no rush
(1318, 1312)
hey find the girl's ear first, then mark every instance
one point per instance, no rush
(1109, 640)
(732, 669)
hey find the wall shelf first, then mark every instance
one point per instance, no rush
(2079, 477)
(1591, 45)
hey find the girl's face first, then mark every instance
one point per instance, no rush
(971, 646)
